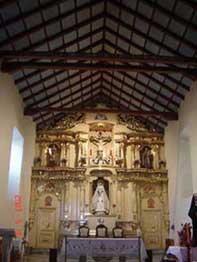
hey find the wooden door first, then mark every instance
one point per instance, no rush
(151, 228)
(46, 226)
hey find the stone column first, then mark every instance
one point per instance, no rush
(119, 200)
(43, 154)
(82, 198)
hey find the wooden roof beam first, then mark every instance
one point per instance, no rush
(66, 110)
(72, 93)
(141, 49)
(143, 35)
(167, 12)
(64, 56)
(143, 85)
(62, 81)
(155, 24)
(133, 97)
(51, 21)
(86, 93)
(10, 67)
(138, 91)
(27, 14)
(138, 108)
(5, 3)
(19, 80)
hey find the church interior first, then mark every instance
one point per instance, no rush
(98, 130)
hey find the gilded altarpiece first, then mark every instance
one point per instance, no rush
(86, 150)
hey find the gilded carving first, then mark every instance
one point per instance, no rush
(120, 150)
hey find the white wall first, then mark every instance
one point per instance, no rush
(181, 156)
(11, 115)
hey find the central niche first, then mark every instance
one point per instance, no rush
(100, 197)
(100, 192)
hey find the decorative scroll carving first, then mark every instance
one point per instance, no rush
(69, 121)
(133, 124)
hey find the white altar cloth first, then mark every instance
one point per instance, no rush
(181, 253)
(104, 247)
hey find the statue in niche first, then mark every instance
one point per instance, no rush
(193, 215)
(100, 201)
(53, 155)
(146, 157)
(100, 141)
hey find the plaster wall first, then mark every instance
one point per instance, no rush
(181, 157)
(11, 115)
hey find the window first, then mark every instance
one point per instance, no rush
(15, 165)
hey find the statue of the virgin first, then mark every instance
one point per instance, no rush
(100, 201)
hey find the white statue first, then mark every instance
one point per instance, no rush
(100, 201)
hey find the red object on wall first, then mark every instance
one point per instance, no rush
(18, 203)
(151, 203)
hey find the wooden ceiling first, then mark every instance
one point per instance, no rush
(66, 55)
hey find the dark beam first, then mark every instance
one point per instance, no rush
(4, 3)
(167, 12)
(137, 108)
(48, 55)
(67, 45)
(156, 92)
(150, 21)
(43, 99)
(73, 93)
(131, 96)
(51, 21)
(14, 66)
(190, 3)
(62, 81)
(27, 14)
(86, 93)
(81, 105)
(144, 36)
(138, 91)
(147, 51)
(66, 110)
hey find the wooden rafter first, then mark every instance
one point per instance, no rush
(167, 12)
(53, 86)
(142, 49)
(137, 108)
(86, 93)
(51, 21)
(63, 97)
(5, 3)
(67, 45)
(66, 110)
(14, 66)
(132, 96)
(138, 91)
(32, 12)
(155, 24)
(65, 56)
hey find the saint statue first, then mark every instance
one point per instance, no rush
(100, 201)
(146, 158)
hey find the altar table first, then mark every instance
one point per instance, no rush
(76, 247)
(181, 253)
